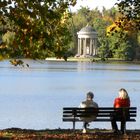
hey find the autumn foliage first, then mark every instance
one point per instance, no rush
(130, 16)
(39, 27)
(65, 134)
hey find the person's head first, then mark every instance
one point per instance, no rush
(90, 95)
(123, 94)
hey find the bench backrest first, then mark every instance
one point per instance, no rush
(101, 112)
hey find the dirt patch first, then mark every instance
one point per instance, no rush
(66, 134)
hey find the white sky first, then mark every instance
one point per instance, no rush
(92, 4)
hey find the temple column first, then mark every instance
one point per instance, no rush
(92, 46)
(90, 52)
(85, 47)
(95, 45)
(78, 46)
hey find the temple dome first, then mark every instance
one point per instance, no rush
(87, 29)
(87, 32)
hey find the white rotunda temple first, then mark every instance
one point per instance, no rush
(87, 42)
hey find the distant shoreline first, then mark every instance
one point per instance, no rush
(73, 59)
(109, 60)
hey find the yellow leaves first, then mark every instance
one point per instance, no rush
(113, 29)
(27, 23)
(37, 24)
(2, 46)
(48, 32)
(8, 38)
(57, 44)
(107, 18)
(122, 24)
(24, 31)
(1, 57)
(31, 38)
(64, 17)
(17, 62)
(62, 21)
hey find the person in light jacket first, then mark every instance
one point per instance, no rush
(88, 103)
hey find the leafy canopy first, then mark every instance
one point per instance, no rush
(39, 27)
(130, 16)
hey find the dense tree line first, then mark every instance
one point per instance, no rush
(45, 28)
(113, 41)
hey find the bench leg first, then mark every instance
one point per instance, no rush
(73, 125)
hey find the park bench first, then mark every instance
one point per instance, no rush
(103, 114)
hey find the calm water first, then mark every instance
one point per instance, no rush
(34, 97)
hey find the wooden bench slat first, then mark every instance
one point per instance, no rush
(73, 114)
(97, 120)
(99, 115)
(100, 108)
(95, 111)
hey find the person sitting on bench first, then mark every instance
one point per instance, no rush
(122, 101)
(88, 103)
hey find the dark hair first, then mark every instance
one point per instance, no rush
(90, 94)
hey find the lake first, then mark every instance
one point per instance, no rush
(33, 97)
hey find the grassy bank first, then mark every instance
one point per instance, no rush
(66, 134)
(109, 60)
